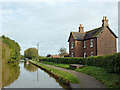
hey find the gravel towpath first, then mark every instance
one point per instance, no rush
(86, 81)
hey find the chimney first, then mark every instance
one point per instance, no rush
(81, 28)
(105, 21)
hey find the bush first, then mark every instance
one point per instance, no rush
(110, 62)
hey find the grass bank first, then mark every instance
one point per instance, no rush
(62, 76)
(110, 80)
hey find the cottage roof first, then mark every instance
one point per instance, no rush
(78, 35)
(93, 33)
(89, 34)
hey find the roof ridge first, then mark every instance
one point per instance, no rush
(78, 32)
(94, 29)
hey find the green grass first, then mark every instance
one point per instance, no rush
(110, 80)
(63, 74)
(56, 64)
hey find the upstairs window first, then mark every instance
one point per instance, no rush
(91, 53)
(71, 45)
(72, 55)
(84, 44)
(85, 55)
(91, 43)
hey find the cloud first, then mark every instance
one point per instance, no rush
(50, 25)
(52, 2)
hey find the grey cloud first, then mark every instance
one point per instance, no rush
(50, 25)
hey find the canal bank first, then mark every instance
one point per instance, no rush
(62, 76)
(85, 80)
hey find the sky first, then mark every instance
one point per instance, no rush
(50, 23)
(119, 27)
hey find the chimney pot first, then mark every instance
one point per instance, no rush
(80, 25)
(81, 28)
(105, 21)
(104, 17)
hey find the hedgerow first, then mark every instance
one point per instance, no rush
(110, 62)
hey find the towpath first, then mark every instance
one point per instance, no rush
(86, 81)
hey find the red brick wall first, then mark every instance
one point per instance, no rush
(78, 48)
(106, 43)
(89, 49)
(73, 49)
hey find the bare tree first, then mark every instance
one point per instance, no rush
(63, 52)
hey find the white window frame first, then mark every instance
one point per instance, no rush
(85, 54)
(72, 54)
(91, 54)
(72, 45)
(91, 43)
(84, 44)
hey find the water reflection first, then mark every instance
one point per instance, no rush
(30, 67)
(22, 75)
(10, 73)
(26, 76)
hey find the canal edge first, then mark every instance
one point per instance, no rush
(60, 79)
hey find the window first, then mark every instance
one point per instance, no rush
(91, 43)
(85, 55)
(91, 53)
(71, 44)
(84, 44)
(72, 55)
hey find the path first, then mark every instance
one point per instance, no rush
(86, 81)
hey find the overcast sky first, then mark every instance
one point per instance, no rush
(50, 23)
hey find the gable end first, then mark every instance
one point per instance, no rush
(109, 30)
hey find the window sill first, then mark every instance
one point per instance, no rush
(91, 46)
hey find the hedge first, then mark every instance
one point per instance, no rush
(110, 62)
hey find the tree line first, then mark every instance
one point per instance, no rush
(10, 50)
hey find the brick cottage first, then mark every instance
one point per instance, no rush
(97, 42)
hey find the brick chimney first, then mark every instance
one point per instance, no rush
(81, 28)
(105, 21)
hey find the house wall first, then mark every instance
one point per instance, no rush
(78, 48)
(89, 49)
(106, 43)
(73, 49)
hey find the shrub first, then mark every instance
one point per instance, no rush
(110, 62)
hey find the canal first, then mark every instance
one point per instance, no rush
(24, 75)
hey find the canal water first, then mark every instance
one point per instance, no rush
(24, 75)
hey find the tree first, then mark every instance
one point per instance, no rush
(63, 52)
(31, 53)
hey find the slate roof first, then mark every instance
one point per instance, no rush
(78, 35)
(93, 33)
(89, 34)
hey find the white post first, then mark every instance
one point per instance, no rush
(38, 50)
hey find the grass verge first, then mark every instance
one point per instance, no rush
(59, 73)
(110, 80)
